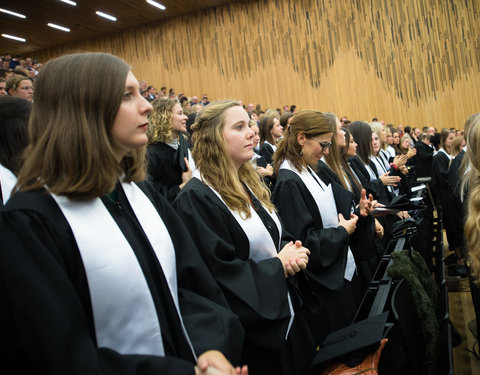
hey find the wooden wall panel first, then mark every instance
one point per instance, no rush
(415, 62)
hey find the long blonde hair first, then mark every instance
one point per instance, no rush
(216, 165)
(71, 149)
(472, 224)
(160, 120)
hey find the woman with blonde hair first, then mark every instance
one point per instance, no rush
(19, 86)
(170, 163)
(99, 284)
(229, 214)
(320, 216)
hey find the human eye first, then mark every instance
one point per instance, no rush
(127, 96)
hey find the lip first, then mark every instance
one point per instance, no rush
(144, 126)
(249, 146)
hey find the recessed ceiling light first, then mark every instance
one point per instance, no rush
(58, 27)
(69, 2)
(155, 4)
(105, 15)
(12, 13)
(14, 37)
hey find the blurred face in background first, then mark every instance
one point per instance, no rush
(340, 135)
(375, 143)
(396, 138)
(352, 148)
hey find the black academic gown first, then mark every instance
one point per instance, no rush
(266, 157)
(328, 250)
(256, 292)
(424, 160)
(440, 168)
(365, 248)
(378, 190)
(166, 165)
(46, 320)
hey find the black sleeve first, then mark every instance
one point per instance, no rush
(163, 174)
(44, 326)
(256, 292)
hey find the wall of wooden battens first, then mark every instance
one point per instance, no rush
(411, 62)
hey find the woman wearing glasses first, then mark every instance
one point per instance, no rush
(318, 215)
(363, 243)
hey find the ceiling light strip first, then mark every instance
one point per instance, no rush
(14, 37)
(105, 15)
(58, 27)
(155, 4)
(12, 13)
(69, 2)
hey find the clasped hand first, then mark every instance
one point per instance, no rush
(294, 258)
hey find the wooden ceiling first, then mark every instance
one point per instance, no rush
(81, 20)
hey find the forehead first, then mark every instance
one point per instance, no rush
(235, 114)
(325, 137)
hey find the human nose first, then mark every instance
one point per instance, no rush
(145, 106)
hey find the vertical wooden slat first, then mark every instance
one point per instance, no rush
(407, 62)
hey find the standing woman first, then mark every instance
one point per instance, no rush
(318, 215)
(99, 284)
(170, 163)
(229, 214)
(441, 163)
(270, 132)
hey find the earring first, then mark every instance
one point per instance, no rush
(301, 151)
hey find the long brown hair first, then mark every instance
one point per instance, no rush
(72, 151)
(312, 123)
(215, 164)
(344, 159)
(333, 157)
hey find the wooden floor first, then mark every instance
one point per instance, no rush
(461, 313)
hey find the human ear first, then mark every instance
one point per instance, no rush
(301, 139)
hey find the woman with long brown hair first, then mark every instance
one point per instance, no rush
(99, 283)
(320, 216)
(229, 214)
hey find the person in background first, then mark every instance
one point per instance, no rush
(170, 162)
(14, 114)
(20, 86)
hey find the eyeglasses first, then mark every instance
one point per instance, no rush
(324, 145)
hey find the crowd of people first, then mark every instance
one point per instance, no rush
(147, 232)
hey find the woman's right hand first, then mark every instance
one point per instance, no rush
(350, 224)
(186, 176)
(389, 180)
(294, 258)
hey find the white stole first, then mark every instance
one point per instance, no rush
(8, 181)
(123, 309)
(445, 152)
(261, 243)
(323, 196)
